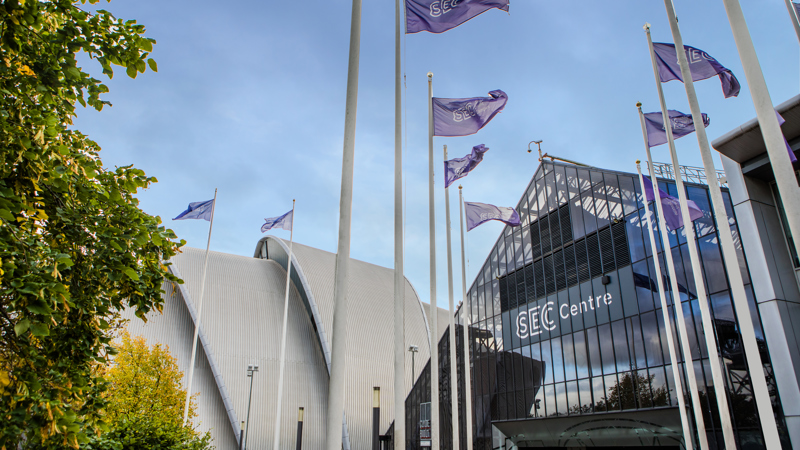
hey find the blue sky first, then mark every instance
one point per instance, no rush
(250, 99)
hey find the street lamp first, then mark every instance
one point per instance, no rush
(251, 369)
(413, 349)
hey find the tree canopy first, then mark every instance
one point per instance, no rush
(145, 401)
(75, 248)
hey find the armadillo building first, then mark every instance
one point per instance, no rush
(567, 344)
(241, 325)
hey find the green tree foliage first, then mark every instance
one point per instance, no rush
(146, 400)
(75, 248)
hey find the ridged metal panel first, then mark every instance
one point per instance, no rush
(370, 347)
(242, 319)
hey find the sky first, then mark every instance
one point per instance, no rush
(249, 98)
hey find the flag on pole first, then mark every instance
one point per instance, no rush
(479, 213)
(438, 16)
(459, 167)
(284, 222)
(701, 65)
(796, 8)
(671, 207)
(198, 210)
(781, 121)
(682, 124)
(464, 116)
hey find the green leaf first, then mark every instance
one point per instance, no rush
(39, 307)
(131, 273)
(40, 329)
(131, 71)
(6, 215)
(152, 63)
(22, 327)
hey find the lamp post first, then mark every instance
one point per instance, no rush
(413, 349)
(251, 369)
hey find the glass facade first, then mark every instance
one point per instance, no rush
(565, 319)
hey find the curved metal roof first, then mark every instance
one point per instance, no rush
(241, 324)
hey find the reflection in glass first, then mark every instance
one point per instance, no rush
(621, 346)
(600, 205)
(595, 364)
(569, 358)
(576, 215)
(495, 290)
(561, 185)
(558, 360)
(550, 400)
(561, 399)
(481, 303)
(716, 279)
(635, 342)
(599, 393)
(613, 195)
(705, 224)
(589, 220)
(585, 396)
(611, 388)
(547, 359)
(572, 182)
(606, 348)
(501, 250)
(573, 401)
(645, 286)
(581, 359)
(636, 243)
(628, 194)
(651, 339)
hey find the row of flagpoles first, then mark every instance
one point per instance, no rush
(466, 116)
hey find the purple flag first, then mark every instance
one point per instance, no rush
(796, 8)
(682, 124)
(781, 121)
(478, 213)
(460, 167)
(438, 16)
(284, 221)
(198, 210)
(701, 65)
(463, 116)
(672, 207)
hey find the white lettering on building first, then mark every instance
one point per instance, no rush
(531, 321)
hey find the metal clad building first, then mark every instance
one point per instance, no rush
(241, 325)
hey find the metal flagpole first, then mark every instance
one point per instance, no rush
(335, 419)
(785, 178)
(277, 433)
(465, 329)
(673, 358)
(751, 350)
(793, 16)
(199, 315)
(694, 392)
(451, 318)
(697, 270)
(399, 279)
(433, 316)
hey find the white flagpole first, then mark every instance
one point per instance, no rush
(465, 319)
(697, 407)
(738, 294)
(773, 136)
(399, 279)
(697, 270)
(335, 418)
(199, 316)
(433, 316)
(277, 433)
(793, 16)
(673, 358)
(451, 318)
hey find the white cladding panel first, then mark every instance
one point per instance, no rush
(242, 319)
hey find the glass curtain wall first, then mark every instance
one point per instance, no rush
(566, 320)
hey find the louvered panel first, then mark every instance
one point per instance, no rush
(606, 249)
(566, 225)
(621, 250)
(581, 260)
(560, 275)
(538, 276)
(504, 293)
(521, 287)
(555, 230)
(544, 225)
(570, 265)
(549, 279)
(536, 245)
(593, 250)
(511, 286)
(530, 284)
